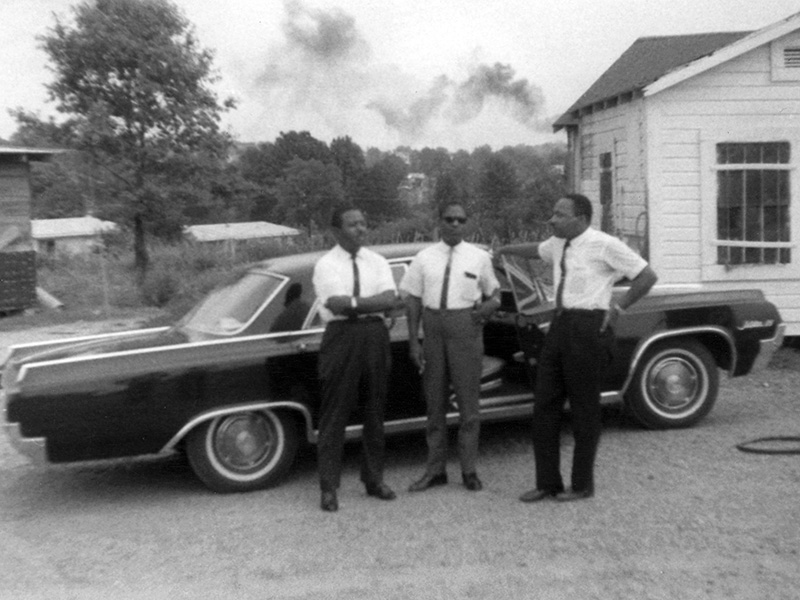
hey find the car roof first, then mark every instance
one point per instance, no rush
(295, 264)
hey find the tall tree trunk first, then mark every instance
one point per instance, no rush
(142, 259)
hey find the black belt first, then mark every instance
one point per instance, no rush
(579, 312)
(360, 319)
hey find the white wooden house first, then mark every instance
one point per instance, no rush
(690, 148)
(72, 235)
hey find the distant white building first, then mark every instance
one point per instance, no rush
(254, 230)
(74, 235)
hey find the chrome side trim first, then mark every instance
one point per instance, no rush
(768, 348)
(229, 410)
(354, 432)
(684, 332)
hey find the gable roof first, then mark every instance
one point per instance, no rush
(648, 59)
(238, 231)
(50, 229)
(653, 64)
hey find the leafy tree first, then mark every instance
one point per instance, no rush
(499, 189)
(132, 76)
(348, 156)
(308, 191)
(378, 189)
(432, 162)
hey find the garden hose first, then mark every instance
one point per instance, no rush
(783, 444)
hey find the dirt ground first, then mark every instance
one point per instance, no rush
(677, 515)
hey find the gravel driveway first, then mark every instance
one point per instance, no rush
(677, 515)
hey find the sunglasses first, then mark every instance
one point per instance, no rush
(453, 220)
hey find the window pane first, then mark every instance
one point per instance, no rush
(752, 153)
(753, 204)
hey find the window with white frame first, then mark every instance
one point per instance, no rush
(753, 200)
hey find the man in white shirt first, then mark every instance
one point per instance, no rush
(355, 287)
(452, 290)
(577, 348)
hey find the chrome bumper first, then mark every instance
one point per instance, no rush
(33, 448)
(768, 349)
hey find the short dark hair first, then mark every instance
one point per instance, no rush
(581, 206)
(444, 206)
(338, 213)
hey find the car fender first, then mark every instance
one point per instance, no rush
(273, 405)
(696, 333)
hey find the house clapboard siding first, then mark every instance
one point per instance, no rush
(656, 120)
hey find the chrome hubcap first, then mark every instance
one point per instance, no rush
(674, 384)
(244, 442)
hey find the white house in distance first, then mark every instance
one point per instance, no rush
(689, 146)
(231, 235)
(254, 230)
(74, 235)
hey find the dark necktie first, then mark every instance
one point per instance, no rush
(563, 264)
(356, 280)
(446, 280)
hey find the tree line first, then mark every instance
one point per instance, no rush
(144, 146)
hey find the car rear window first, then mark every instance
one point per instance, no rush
(229, 309)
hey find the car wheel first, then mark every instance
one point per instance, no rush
(243, 451)
(675, 385)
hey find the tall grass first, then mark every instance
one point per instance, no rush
(103, 284)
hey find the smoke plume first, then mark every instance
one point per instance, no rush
(321, 77)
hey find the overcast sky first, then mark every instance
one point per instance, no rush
(450, 73)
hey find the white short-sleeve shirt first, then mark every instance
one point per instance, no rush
(471, 276)
(595, 261)
(333, 276)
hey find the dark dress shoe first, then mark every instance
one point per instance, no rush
(471, 482)
(575, 495)
(537, 495)
(328, 502)
(381, 491)
(428, 481)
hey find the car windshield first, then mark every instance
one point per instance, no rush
(227, 310)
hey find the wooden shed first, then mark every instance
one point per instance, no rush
(689, 146)
(17, 256)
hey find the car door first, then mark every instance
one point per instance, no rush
(534, 308)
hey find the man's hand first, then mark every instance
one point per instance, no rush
(416, 355)
(612, 314)
(339, 305)
(483, 311)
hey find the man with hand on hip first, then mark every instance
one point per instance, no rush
(452, 291)
(355, 287)
(577, 348)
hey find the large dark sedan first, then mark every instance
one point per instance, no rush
(234, 383)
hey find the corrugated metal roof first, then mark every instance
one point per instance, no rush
(238, 231)
(648, 59)
(48, 229)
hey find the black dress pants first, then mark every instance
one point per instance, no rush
(354, 362)
(571, 365)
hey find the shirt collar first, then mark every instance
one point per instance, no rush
(578, 239)
(446, 247)
(344, 252)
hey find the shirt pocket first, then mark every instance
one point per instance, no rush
(468, 287)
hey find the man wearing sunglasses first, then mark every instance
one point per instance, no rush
(452, 291)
